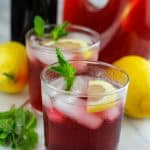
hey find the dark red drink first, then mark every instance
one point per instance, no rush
(89, 116)
(93, 13)
(69, 135)
(34, 83)
(133, 35)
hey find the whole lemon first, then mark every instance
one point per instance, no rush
(13, 67)
(138, 97)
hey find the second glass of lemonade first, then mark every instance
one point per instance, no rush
(80, 43)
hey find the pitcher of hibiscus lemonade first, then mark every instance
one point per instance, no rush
(83, 104)
(124, 25)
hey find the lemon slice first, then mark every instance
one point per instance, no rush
(88, 54)
(68, 44)
(72, 45)
(96, 101)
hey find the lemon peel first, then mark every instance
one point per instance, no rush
(96, 101)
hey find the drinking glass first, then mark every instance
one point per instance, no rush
(88, 117)
(80, 44)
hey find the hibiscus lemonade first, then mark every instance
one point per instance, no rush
(88, 117)
(80, 43)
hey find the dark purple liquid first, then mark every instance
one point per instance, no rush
(69, 135)
(130, 20)
(35, 84)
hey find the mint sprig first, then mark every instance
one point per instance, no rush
(64, 69)
(39, 26)
(17, 129)
(58, 32)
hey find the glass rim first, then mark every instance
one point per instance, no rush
(73, 26)
(119, 90)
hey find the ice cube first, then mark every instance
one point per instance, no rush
(52, 90)
(74, 109)
(56, 85)
(54, 115)
(80, 85)
(46, 100)
(112, 113)
(45, 57)
(80, 67)
(80, 36)
(69, 56)
(50, 57)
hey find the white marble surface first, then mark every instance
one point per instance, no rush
(135, 134)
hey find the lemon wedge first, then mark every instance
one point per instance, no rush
(72, 45)
(68, 44)
(97, 101)
(88, 54)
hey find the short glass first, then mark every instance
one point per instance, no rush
(41, 52)
(83, 118)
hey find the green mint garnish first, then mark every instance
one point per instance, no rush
(39, 26)
(64, 69)
(59, 31)
(17, 129)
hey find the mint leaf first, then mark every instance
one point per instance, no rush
(3, 135)
(6, 128)
(6, 114)
(6, 125)
(28, 141)
(69, 82)
(59, 31)
(39, 26)
(64, 69)
(17, 129)
(5, 141)
(31, 122)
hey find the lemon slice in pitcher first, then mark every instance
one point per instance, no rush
(97, 100)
